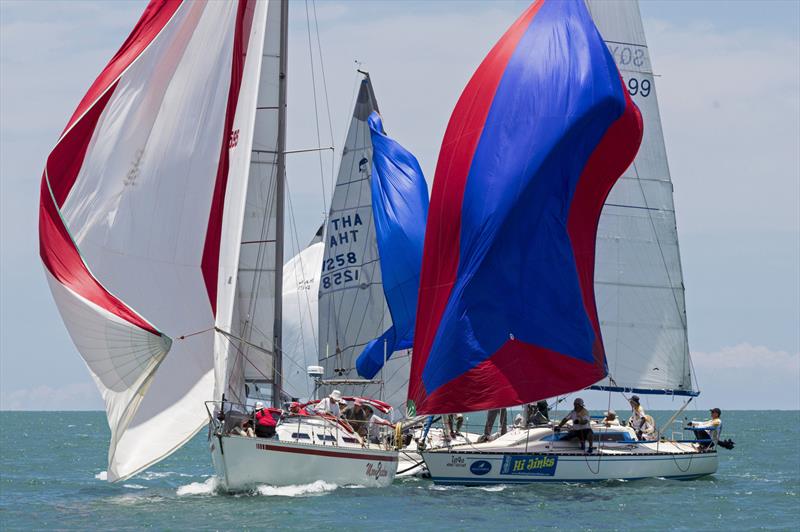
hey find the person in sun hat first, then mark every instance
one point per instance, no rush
(638, 416)
(330, 404)
(708, 430)
(581, 425)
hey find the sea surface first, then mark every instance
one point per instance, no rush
(52, 475)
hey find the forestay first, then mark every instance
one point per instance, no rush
(638, 278)
(139, 200)
(352, 306)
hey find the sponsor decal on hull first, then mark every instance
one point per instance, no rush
(529, 464)
(480, 467)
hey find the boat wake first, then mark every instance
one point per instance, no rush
(211, 486)
(319, 487)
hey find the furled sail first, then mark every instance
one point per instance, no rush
(400, 208)
(300, 287)
(137, 199)
(638, 277)
(352, 306)
(506, 311)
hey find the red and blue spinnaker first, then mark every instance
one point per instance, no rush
(399, 208)
(506, 312)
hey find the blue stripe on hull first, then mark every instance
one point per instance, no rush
(453, 481)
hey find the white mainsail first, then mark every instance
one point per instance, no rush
(141, 216)
(638, 278)
(352, 305)
(300, 310)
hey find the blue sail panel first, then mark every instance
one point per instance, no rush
(400, 208)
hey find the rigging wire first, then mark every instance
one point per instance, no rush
(325, 91)
(316, 108)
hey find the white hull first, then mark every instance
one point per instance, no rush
(243, 463)
(523, 457)
(305, 450)
(411, 463)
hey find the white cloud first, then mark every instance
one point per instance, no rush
(751, 357)
(746, 376)
(76, 396)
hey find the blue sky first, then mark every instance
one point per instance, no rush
(729, 89)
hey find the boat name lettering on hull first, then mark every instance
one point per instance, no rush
(457, 461)
(376, 472)
(529, 464)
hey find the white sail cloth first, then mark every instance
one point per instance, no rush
(300, 287)
(352, 305)
(138, 181)
(638, 279)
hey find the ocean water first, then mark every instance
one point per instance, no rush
(52, 475)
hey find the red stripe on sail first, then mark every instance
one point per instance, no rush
(56, 247)
(441, 249)
(210, 261)
(58, 251)
(155, 17)
(615, 152)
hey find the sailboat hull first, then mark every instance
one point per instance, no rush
(243, 463)
(471, 468)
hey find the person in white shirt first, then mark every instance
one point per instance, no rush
(610, 419)
(330, 404)
(581, 425)
(638, 416)
(708, 430)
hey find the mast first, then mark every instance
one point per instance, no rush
(281, 175)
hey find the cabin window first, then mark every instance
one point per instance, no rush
(349, 440)
(300, 436)
(326, 437)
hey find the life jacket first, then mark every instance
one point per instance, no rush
(264, 418)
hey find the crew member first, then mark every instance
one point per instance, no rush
(708, 430)
(330, 404)
(265, 423)
(581, 425)
(610, 418)
(491, 416)
(638, 416)
(357, 415)
(452, 425)
(537, 414)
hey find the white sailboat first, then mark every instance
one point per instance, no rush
(640, 302)
(161, 232)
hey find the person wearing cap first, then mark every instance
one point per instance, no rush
(708, 430)
(610, 418)
(638, 416)
(358, 416)
(581, 425)
(265, 423)
(330, 404)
